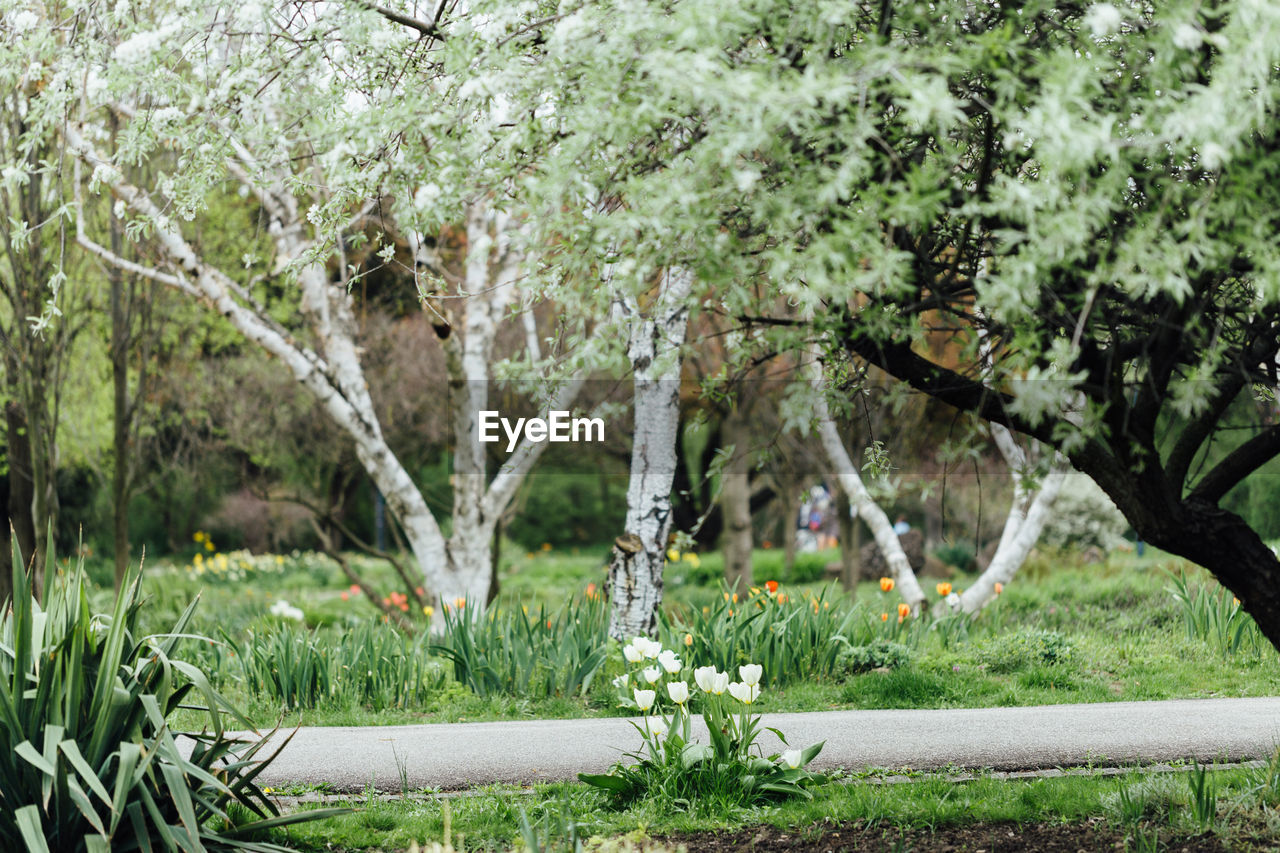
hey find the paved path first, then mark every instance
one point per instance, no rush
(463, 755)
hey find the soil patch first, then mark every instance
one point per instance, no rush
(1085, 837)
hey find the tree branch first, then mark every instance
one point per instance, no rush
(1237, 465)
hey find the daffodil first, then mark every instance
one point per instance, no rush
(644, 698)
(750, 673)
(678, 691)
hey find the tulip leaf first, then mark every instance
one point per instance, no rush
(606, 780)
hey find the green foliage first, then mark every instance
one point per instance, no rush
(793, 637)
(519, 653)
(1204, 796)
(371, 665)
(1215, 617)
(679, 772)
(87, 759)
(957, 555)
(1025, 648)
(879, 654)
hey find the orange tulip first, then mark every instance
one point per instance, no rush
(904, 610)
(772, 586)
(944, 589)
(688, 639)
(884, 617)
(999, 587)
(886, 584)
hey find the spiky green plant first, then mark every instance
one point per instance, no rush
(87, 759)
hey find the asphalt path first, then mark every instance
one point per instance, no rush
(464, 755)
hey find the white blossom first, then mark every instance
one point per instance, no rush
(1103, 19)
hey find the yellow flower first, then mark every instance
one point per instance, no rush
(428, 611)
(673, 555)
(198, 536)
(208, 545)
(688, 639)
(693, 560)
(944, 589)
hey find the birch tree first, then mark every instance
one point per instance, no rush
(639, 554)
(239, 95)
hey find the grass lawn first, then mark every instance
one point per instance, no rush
(1160, 810)
(1062, 632)
(1122, 637)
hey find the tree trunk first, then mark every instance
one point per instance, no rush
(21, 493)
(850, 542)
(735, 502)
(120, 414)
(635, 567)
(868, 510)
(1027, 516)
(791, 511)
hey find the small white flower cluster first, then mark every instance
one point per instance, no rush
(285, 610)
(708, 679)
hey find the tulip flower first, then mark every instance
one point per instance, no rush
(791, 758)
(772, 586)
(678, 691)
(688, 639)
(999, 587)
(886, 584)
(670, 662)
(744, 693)
(621, 680)
(651, 648)
(944, 589)
(704, 677)
(751, 673)
(720, 683)
(884, 617)
(644, 698)
(657, 726)
(632, 654)
(904, 610)
(651, 674)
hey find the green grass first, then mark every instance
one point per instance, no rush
(1126, 636)
(491, 820)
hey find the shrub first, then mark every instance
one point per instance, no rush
(878, 654)
(1084, 517)
(1028, 647)
(87, 760)
(957, 555)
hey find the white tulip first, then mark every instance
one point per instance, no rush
(651, 674)
(651, 648)
(791, 758)
(678, 691)
(704, 677)
(744, 693)
(751, 673)
(670, 662)
(657, 726)
(632, 654)
(644, 698)
(621, 680)
(720, 683)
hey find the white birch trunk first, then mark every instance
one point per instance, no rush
(860, 499)
(1028, 513)
(635, 569)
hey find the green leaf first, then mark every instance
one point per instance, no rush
(606, 780)
(28, 820)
